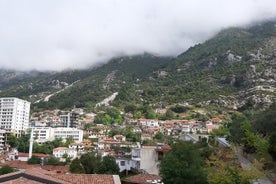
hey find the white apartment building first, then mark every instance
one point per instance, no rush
(14, 115)
(67, 132)
(60, 151)
(2, 138)
(43, 134)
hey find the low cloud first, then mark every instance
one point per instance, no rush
(57, 35)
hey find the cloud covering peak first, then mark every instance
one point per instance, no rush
(56, 35)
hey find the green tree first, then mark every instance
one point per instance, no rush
(102, 118)
(24, 142)
(108, 166)
(69, 140)
(89, 162)
(6, 169)
(53, 161)
(115, 115)
(159, 136)
(230, 172)
(130, 108)
(272, 145)
(34, 160)
(183, 164)
(236, 129)
(150, 114)
(265, 122)
(137, 114)
(88, 125)
(132, 136)
(75, 167)
(13, 141)
(57, 142)
(169, 114)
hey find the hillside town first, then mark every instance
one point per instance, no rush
(137, 145)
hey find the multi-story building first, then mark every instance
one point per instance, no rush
(69, 120)
(67, 132)
(14, 115)
(147, 158)
(43, 134)
(2, 138)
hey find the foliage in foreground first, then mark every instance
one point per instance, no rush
(223, 168)
(183, 164)
(90, 163)
(6, 169)
(256, 131)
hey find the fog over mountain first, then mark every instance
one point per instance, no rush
(57, 35)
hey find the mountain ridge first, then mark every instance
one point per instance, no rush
(234, 69)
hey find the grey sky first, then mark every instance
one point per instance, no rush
(62, 34)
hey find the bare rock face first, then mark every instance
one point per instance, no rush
(231, 57)
(56, 84)
(162, 74)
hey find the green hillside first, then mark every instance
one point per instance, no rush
(234, 69)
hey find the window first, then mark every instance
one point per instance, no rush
(123, 163)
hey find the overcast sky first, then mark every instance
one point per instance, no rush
(62, 34)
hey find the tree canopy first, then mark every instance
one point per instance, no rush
(91, 163)
(183, 164)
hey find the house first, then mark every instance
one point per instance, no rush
(77, 146)
(61, 151)
(216, 120)
(119, 138)
(148, 122)
(108, 144)
(146, 137)
(136, 129)
(186, 128)
(145, 159)
(210, 126)
(125, 164)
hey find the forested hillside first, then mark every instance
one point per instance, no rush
(235, 69)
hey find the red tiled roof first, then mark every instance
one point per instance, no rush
(38, 175)
(142, 178)
(34, 154)
(216, 120)
(62, 148)
(25, 165)
(165, 147)
(85, 178)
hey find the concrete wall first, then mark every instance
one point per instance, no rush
(149, 161)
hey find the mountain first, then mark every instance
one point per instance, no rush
(234, 69)
(83, 87)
